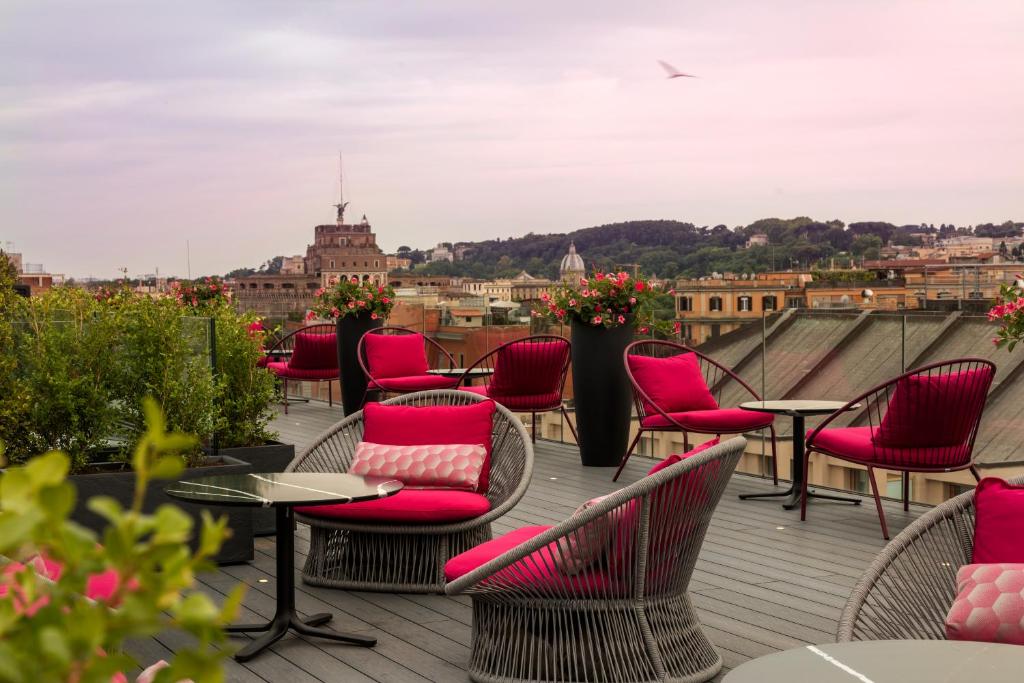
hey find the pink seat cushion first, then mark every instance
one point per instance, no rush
(674, 384)
(415, 426)
(395, 355)
(414, 383)
(679, 457)
(528, 369)
(522, 402)
(998, 522)
(939, 410)
(989, 605)
(282, 369)
(721, 421)
(855, 443)
(314, 352)
(538, 572)
(413, 506)
(451, 466)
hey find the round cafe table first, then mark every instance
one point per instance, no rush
(887, 661)
(283, 491)
(798, 409)
(474, 373)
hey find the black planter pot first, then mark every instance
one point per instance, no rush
(603, 396)
(272, 456)
(351, 328)
(121, 487)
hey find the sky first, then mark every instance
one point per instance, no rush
(128, 129)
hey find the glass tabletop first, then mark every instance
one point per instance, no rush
(451, 372)
(797, 407)
(887, 661)
(283, 488)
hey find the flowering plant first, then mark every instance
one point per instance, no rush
(352, 297)
(196, 295)
(1010, 314)
(604, 300)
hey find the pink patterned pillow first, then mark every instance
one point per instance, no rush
(450, 466)
(586, 545)
(989, 605)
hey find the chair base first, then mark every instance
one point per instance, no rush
(394, 563)
(574, 640)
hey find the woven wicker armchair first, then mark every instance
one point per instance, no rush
(907, 591)
(409, 558)
(627, 618)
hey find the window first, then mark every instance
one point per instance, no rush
(794, 302)
(332, 263)
(857, 480)
(287, 285)
(715, 303)
(745, 303)
(376, 264)
(685, 303)
(769, 303)
(268, 285)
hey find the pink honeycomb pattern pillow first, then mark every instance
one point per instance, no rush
(586, 545)
(451, 466)
(989, 605)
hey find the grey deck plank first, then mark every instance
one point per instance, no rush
(758, 588)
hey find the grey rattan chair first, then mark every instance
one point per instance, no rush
(907, 591)
(629, 618)
(406, 558)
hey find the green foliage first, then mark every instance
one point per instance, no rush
(352, 297)
(49, 632)
(1009, 313)
(604, 300)
(843, 275)
(244, 390)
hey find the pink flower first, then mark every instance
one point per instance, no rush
(584, 282)
(622, 319)
(596, 320)
(598, 275)
(632, 299)
(572, 302)
(545, 297)
(335, 312)
(598, 308)
(995, 340)
(373, 316)
(677, 327)
(639, 286)
(644, 330)
(320, 292)
(310, 315)
(385, 300)
(361, 303)
(351, 304)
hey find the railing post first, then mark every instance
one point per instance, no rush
(214, 438)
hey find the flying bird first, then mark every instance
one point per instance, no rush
(674, 72)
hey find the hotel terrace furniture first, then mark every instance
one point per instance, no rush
(911, 585)
(798, 410)
(406, 551)
(925, 420)
(526, 376)
(467, 375)
(887, 661)
(307, 355)
(676, 388)
(540, 615)
(283, 492)
(394, 360)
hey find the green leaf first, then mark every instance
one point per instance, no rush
(167, 467)
(106, 507)
(54, 645)
(16, 529)
(196, 610)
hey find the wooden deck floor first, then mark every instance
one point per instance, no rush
(764, 582)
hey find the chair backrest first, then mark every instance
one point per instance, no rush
(511, 451)
(531, 366)
(928, 417)
(389, 351)
(314, 348)
(715, 375)
(287, 342)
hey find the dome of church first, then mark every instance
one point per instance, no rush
(572, 263)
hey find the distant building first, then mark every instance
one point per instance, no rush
(394, 262)
(33, 277)
(293, 265)
(572, 267)
(442, 252)
(758, 240)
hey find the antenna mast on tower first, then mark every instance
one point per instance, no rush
(340, 206)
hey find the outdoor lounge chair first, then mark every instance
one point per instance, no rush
(540, 614)
(407, 550)
(911, 585)
(394, 360)
(309, 354)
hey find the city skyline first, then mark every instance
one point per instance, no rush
(220, 125)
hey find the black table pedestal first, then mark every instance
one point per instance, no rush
(285, 617)
(792, 495)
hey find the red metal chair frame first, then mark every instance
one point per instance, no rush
(876, 402)
(395, 329)
(486, 361)
(287, 343)
(715, 376)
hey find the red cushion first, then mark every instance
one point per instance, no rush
(415, 506)
(938, 410)
(314, 352)
(721, 421)
(989, 605)
(673, 459)
(395, 355)
(414, 426)
(523, 402)
(855, 443)
(414, 383)
(674, 384)
(998, 522)
(528, 368)
(285, 370)
(542, 573)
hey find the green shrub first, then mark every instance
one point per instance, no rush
(244, 390)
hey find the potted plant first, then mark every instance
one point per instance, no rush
(603, 311)
(1009, 312)
(358, 307)
(139, 574)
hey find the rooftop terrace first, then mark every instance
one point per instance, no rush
(764, 582)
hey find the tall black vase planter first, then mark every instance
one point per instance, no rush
(351, 328)
(601, 388)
